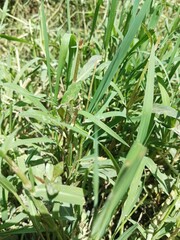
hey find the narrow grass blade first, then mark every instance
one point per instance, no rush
(15, 39)
(46, 44)
(148, 100)
(162, 178)
(34, 100)
(71, 63)
(25, 68)
(120, 188)
(119, 56)
(128, 232)
(98, 4)
(4, 12)
(96, 121)
(133, 193)
(6, 184)
(62, 59)
(68, 15)
(112, 14)
(96, 169)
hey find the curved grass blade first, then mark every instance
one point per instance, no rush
(96, 121)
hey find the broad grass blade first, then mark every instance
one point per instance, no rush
(62, 59)
(120, 188)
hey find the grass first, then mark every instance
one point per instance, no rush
(89, 115)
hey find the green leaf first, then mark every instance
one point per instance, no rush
(15, 39)
(65, 41)
(148, 100)
(32, 98)
(46, 44)
(119, 56)
(72, 93)
(123, 181)
(65, 194)
(166, 110)
(102, 125)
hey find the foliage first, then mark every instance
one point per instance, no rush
(89, 137)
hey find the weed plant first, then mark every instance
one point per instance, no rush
(89, 136)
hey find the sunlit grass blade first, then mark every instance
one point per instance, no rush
(61, 62)
(96, 121)
(25, 93)
(119, 56)
(46, 45)
(120, 188)
(68, 16)
(148, 100)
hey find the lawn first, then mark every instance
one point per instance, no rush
(89, 120)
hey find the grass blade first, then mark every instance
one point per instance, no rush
(62, 58)
(120, 188)
(112, 14)
(119, 56)
(46, 44)
(148, 100)
(96, 121)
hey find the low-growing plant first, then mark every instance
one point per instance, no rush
(89, 120)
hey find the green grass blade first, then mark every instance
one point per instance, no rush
(96, 169)
(148, 100)
(119, 56)
(26, 94)
(62, 59)
(98, 4)
(112, 14)
(6, 184)
(68, 15)
(15, 39)
(46, 44)
(128, 233)
(120, 188)
(96, 121)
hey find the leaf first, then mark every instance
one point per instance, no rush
(166, 110)
(65, 194)
(119, 56)
(164, 181)
(65, 41)
(148, 100)
(15, 39)
(32, 98)
(87, 69)
(123, 181)
(72, 93)
(128, 232)
(46, 44)
(102, 125)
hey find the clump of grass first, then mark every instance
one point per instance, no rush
(89, 120)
